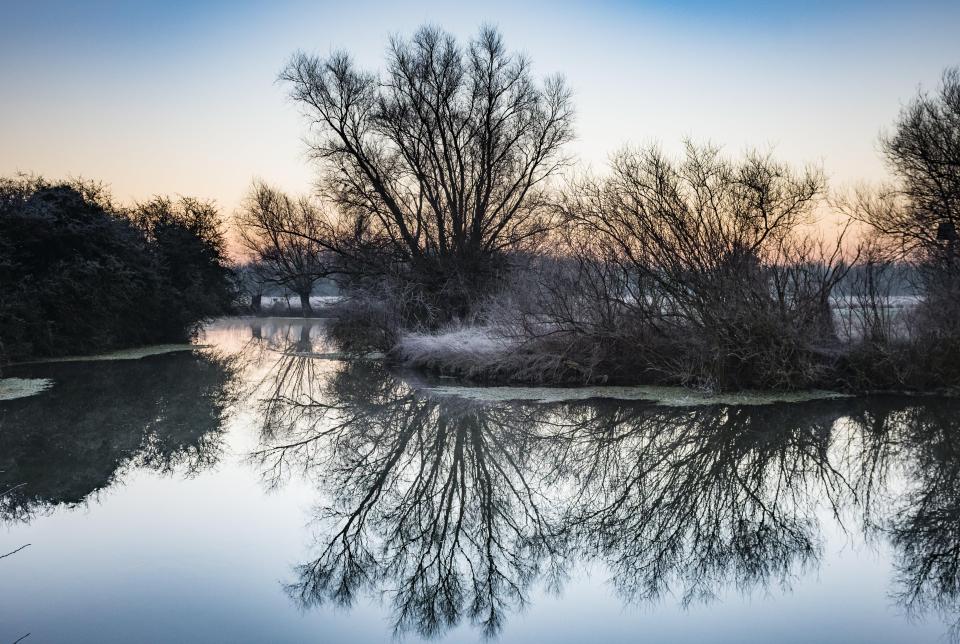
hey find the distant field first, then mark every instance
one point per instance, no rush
(316, 301)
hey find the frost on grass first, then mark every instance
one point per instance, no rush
(457, 343)
(481, 351)
(11, 388)
(126, 354)
(668, 396)
(464, 350)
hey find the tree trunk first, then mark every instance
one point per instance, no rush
(256, 302)
(825, 316)
(304, 345)
(305, 309)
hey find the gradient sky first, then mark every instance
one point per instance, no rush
(181, 97)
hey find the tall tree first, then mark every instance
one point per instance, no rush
(444, 157)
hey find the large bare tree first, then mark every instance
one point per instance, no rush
(444, 157)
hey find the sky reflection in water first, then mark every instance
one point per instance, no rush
(262, 491)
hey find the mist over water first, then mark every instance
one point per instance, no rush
(267, 488)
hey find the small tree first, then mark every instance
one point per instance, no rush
(443, 159)
(252, 279)
(922, 210)
(285, 236)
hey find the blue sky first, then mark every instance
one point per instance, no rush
(181, 97)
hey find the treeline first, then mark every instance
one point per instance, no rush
(82, 274)
(442, 215)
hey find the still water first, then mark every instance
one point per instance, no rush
(265, 489)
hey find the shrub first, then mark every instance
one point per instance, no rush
(81, 275)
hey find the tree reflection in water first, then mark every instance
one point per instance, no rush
(925, 525)
(103, 418)
(441, 503)
(454, 509)
(692, 500)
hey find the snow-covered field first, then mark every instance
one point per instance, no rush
(316, 301)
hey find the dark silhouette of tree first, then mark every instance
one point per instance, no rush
(921, 212)
(253, 279)
(188, 246)
(72, 267)
(915, 219)
(442, 160)
(81, 274)
(284, 236)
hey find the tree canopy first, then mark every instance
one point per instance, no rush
(445, 155)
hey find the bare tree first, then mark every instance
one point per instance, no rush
(444, 158)
(252, 280)
(921, 210)
(697, 217)
(702, 261)
(916, 219)
(284, 236)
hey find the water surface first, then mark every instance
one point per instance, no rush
(264, 489)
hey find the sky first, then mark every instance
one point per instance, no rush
(182, 97)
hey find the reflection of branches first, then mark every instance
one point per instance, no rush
(907, 477)
(454, 508)
(15, 551)
(287, 390)
(925, 529)
(435, 501)
(165, 413)
(707, 496)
